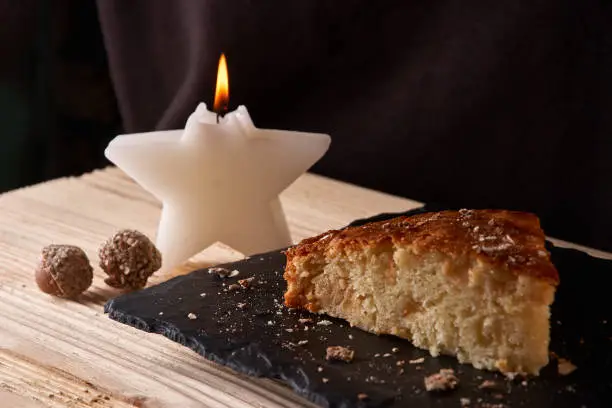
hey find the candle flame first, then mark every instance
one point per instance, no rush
(222, 90)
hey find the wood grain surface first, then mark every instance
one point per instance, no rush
(62, 353)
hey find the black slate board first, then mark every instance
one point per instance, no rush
(254, 340)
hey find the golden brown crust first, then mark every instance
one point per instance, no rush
(510, 239)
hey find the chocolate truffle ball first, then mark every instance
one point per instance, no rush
(129, 258)
(64, 271)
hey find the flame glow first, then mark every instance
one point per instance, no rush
(222, 89)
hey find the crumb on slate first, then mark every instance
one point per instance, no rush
(246, 283)
(325, 380)
(324, 323)
(395, 350)
(302, 342)
(192, 316)
(400, 363)
(221, 272)
(319, 369)
(339, 353)
(565, 367)
(417, 360)
(387, 355)
(303, 321)
(512, 375)
(464, 402)
(442, 381)
(234, 286)
(362, 396)
(240, 305)
(487, 384)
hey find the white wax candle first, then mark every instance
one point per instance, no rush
(218, 182)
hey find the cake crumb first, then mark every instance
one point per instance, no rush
(395, 350)
(387, 355)
(487, 384)
(221, 272)
(246, 283)
(202, 294)
(400, 363)
(233, 286)
(325, 380)
(241, 305)
(233, 273)
(161, 313)
(350, 336)
(565, 367)
(339, 353)
(289, 330)
(324, 323)
(304, 321)
(192, 316)
(417, 360)
(319, 369)
(362, 396)
(465, 402)
(302, 342)
(441, 381)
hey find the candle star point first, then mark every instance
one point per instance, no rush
(218, 182)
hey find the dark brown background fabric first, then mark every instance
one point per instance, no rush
(466, 103)
(57, 104)
(476, 104)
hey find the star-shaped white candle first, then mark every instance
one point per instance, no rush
(218, 181)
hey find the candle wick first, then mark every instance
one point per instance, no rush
(221, 114)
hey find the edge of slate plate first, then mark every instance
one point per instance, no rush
(248, 357)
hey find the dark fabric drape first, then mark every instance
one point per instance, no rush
(57, 104)
(472, 104)
(476, 104)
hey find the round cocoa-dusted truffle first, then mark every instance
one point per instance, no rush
(129, 258)
(64, 271)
